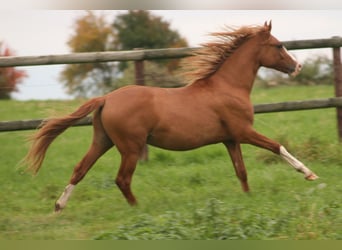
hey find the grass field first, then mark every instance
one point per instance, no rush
(182, 195)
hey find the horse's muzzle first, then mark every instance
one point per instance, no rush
(296, 70)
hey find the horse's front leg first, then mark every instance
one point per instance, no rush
(254, 138)
(234, 150)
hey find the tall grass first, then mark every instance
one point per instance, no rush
(181, 195)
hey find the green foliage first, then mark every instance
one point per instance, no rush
(182, 195)
(141, 29)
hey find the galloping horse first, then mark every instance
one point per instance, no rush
(214, 108)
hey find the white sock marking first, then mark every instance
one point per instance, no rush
(299, 166)
(65, 196)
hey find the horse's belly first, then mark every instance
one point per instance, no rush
(185, 140)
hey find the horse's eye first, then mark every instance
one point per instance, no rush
(279, 46)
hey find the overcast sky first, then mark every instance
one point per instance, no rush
(44, 32)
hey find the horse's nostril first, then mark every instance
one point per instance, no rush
(295, 71)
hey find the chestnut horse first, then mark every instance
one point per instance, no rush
(214, 108)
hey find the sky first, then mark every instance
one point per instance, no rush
(44, 32)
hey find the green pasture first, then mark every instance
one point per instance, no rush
(181, 195)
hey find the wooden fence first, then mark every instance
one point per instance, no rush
(140, 55)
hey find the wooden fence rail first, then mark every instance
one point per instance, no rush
(148, 54)
(259, 108)
(298, 105)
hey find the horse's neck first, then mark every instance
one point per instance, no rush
(239, 70)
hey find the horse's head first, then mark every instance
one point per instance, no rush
(274, 55)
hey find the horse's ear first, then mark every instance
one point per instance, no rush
(268, 26)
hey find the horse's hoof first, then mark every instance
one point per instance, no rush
(311, 177)
(58, 208)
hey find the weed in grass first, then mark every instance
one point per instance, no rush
(215, 221)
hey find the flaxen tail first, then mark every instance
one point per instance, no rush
(51, 128)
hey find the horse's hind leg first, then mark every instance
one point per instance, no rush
(124, 177)
(80, 170)
(101, 143)
(234, 150)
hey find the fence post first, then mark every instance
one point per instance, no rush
(140, 80)
(338, 87)
(139, 72)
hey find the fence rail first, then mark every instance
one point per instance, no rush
(259, 108)
(335, 102)
(147, 54)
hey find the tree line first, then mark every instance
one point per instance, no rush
(138, 29)
(132, 30)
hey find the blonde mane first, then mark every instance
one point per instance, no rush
(208, 59)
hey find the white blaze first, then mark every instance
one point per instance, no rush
(290, 55)
(298, 66)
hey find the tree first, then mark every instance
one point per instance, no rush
(92, 34)
(9, 76)
(141, 29)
